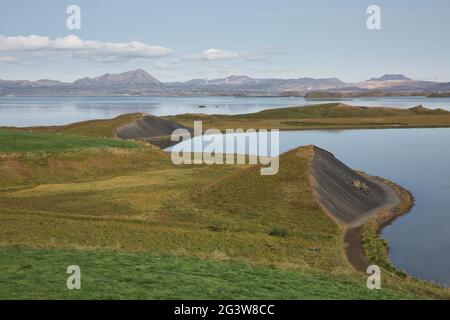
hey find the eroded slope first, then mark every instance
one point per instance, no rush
(348, 196)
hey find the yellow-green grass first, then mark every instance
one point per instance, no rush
(323, 116)
(136, 201)
(41, 274)
(105, 128)
(177, 210)
(25, 169)
(29, 158)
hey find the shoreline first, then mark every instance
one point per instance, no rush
(360, 204)
(354, 236)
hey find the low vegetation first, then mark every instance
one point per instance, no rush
(41, 274)
(140, 227)
(22, 141)
(105, 128)
(29, 158)
(324, 116)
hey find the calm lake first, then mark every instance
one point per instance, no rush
(418, 160)
(33, 111)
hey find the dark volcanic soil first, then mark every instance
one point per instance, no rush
(151, 129)
(334, 186)
(338, 194)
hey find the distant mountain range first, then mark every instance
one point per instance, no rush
(139, 82)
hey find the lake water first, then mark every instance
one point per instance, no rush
(33, 111)
(417, 159)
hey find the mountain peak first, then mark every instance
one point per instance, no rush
(139, 72)
(391, 77)
(235, 80)
(130, 79)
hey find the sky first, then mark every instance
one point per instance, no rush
(178, 40)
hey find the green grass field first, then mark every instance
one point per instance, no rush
(22, 141)
(41, 274)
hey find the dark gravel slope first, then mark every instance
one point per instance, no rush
(147, 127)
(151, 129)
(348, 196)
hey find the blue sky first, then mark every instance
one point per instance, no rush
(186, 39)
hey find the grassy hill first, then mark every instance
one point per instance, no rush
(339, 110)
(30, 158)
(123, 212)
(103, 128)
(324, 116)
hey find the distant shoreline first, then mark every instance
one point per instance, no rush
(193, 95)
(354, 235)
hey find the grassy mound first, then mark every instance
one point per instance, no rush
(324, 116)
(105, 128)
(30, 158)
(272, 221)
(281, 205)
(340, 110)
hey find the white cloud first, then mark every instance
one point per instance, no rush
(217, 54)
(83, 48)
(7, 59)
(213, 54)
